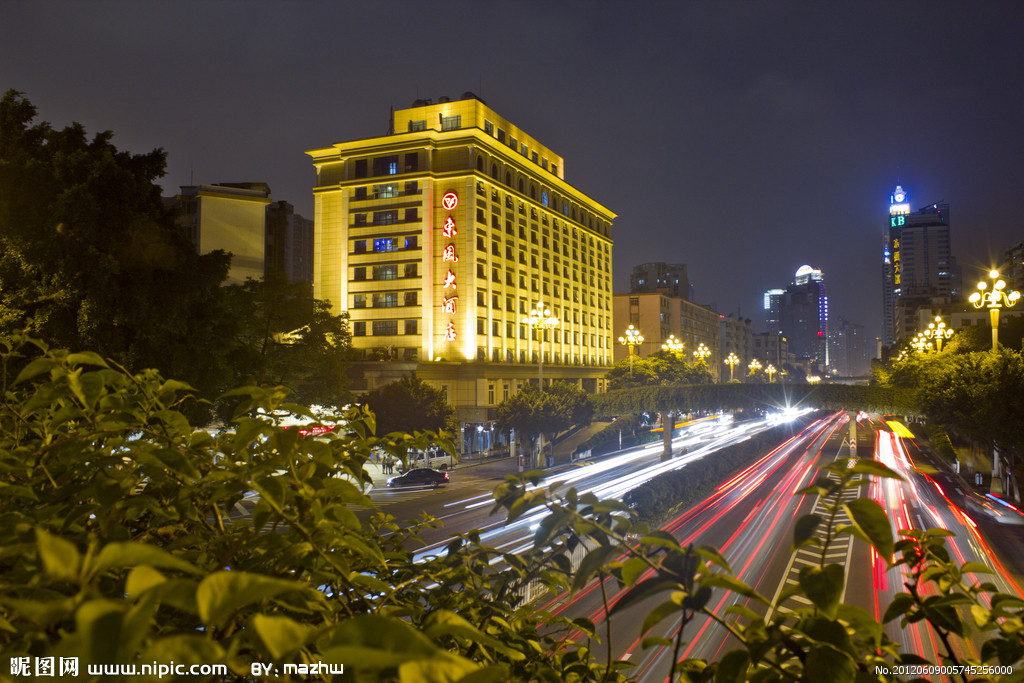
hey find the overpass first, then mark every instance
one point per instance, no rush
(684, 398)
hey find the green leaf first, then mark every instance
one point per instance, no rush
(60, 558)
(874, 468)
(632, 569)
(976, 568)
(86, 358)
(870, 518)
(826, 664)
(733, 667)
(735, 585)
(221, 594)
(141, 579)
(35, 368)
(592, 563)
(656, 615)
(447, 623)
(804, 529)
(131, 554)
(900, 605)
(280, 635)
(823, 587)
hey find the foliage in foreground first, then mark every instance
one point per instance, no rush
(122, 540)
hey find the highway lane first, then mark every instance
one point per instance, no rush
(749, 519)
(925, 501)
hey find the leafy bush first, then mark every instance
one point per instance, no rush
(121, 541)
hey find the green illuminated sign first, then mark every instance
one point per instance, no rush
(897, 221)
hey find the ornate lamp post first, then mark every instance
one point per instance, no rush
(994, 300)
(541, 320)
(732, 360)
(771, 372)
(920, 344)
(938, 332)
(755, 365)
(672, 344)
(702, 352)
(632, 338)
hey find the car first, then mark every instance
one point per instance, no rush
(421, 476)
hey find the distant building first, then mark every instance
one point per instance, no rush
(848, 349)
(664, 278)
(736, 336)
(231, 217)
(1013, 267)
(803, 318)
(773, 309)
(289, 242)
(917, 263)
(772, 349)
(659, 316)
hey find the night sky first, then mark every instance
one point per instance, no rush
(743, 139)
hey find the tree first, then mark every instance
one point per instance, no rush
(282, 335)
(660, 368)
(410, 405)
(90, 258)
(533, 412)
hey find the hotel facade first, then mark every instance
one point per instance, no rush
(441, 237)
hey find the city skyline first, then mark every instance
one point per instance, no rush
(742, 143)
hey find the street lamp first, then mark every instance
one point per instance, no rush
(771, 372)
(541, 319)
(938, 331)
(702, 352)
(994, 300)
(672, 344)
(732, 360)
(755, 365)
(920, 344)
(632, 338)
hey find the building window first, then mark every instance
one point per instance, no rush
(358, 328)
(501, 135)
(410, 327)
(481, 326)
(410, 270)
(386, 272)
(411, 215)
(385, 165)
(495, 328)
(510, 331)
(359, 247)
(384, 244)
(360, 218)
(512, 142)
(488, 127)
(410, 298)
(359, 273)
(358, 301)
(412, 162)
(544, 197)
(490, 394)
(410, 241)
(385, 217)
(360, 193)
(383, 328)
(480, 298)
(389, 191)
(417, 125)
(385, 299)
(451, 122)
(533, 157)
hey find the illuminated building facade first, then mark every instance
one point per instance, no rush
(917, 264)
(228, 216)
(659, 316)
(440, 238)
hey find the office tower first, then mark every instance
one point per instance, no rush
(803, 318)
(917, 263)
(289, 242)
(773, 309)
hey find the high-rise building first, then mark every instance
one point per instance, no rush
(289, 243)
(666, 278)
(228, 216)
(803, 318)
(440, 238)
(773, 309)
(917, 263)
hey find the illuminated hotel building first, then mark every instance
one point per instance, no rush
(439, 239)
(917, 264)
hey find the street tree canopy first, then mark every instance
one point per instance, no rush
(531, 411)
(410, 405)
(660, 368)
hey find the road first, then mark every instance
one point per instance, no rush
(749, 519)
